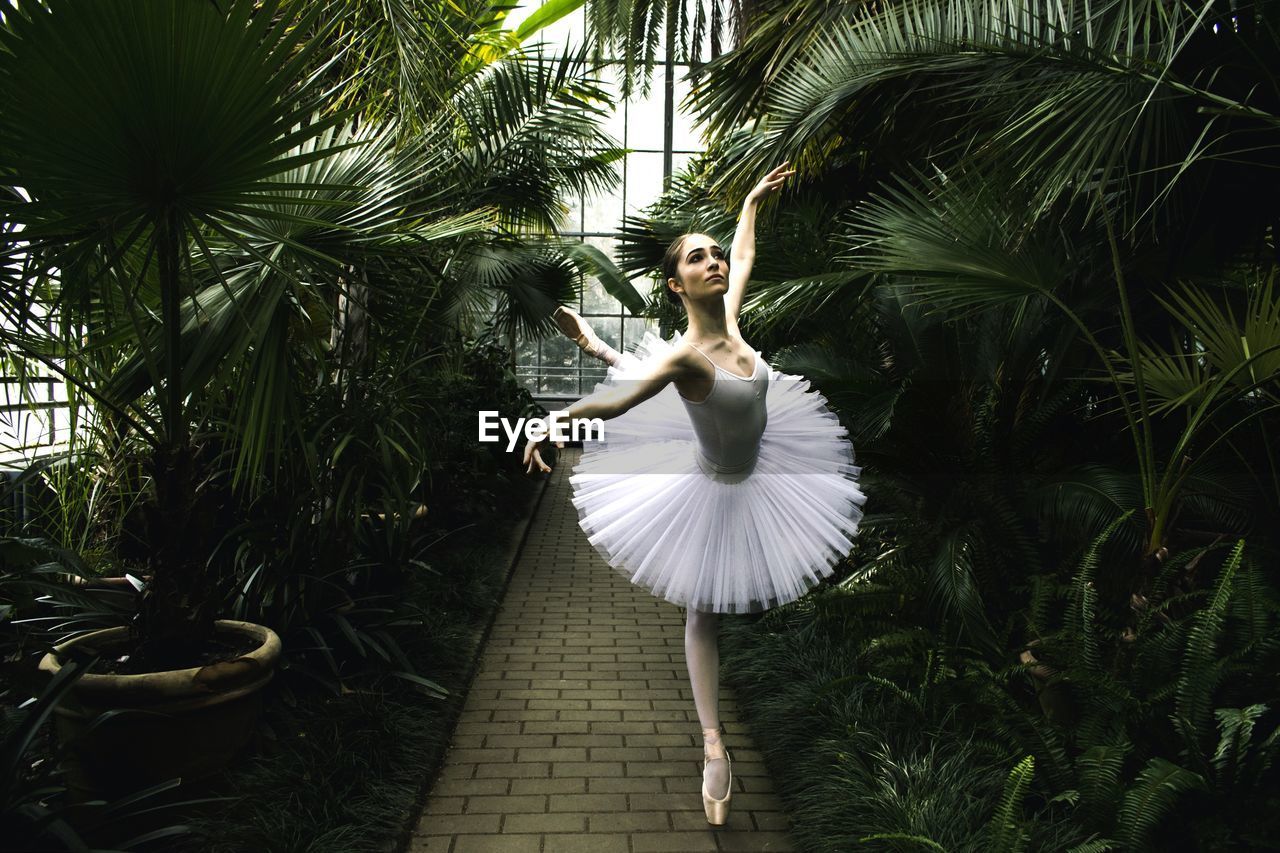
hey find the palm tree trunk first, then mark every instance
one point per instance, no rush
(177, 611)
(350, 334)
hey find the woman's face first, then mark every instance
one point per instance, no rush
(703, 269)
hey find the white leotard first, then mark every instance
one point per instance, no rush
(731, 420)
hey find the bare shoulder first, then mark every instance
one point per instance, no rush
(678, 362)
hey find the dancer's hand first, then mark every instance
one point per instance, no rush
(572, 326)
(533, 455)
(771, 182)
(579, 331)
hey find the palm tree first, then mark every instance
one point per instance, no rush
(186, 193)
(193, 230)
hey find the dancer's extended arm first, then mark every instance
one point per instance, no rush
(743, 252)
(610, 403)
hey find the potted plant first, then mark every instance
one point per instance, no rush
(145, 147)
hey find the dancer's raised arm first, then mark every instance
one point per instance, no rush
(743, 253)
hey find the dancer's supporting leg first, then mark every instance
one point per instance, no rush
(702, 656)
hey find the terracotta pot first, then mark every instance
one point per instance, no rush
(184, 722)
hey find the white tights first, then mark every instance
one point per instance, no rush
(702, 656)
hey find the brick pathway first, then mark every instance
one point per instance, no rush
(579, 732)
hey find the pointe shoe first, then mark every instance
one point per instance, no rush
(717, 811)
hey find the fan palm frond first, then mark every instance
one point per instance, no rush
(637, 31)
(1081, 502)
(527, 129)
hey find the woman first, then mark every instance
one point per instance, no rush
(733, 490)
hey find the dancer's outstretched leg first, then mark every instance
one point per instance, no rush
(702, 656)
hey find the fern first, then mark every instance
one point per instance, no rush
(1200, 670)
(903, 836)
(1045, 590)
(888, 685)
(1108, 703)
(1100, 786)
(953, 585)
(1082, 606)
(1099, 845)
(1231, 759)
(1155, 793)
(1004, 832)
(1251, 612)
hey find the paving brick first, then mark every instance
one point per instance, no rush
(645, 785)
(430, 843)
(590, 740)
(604, 803)
(775, 821)
(481, 756)
(624, 753)
(673, 842)
(498, 844)
(630, 822)
(530, 770)
(588, 768)
(549, 786)
(682, 801)
(458, 824)
(487, 728)
(445, 787)
(553, 727)
(445, 805)
(755, 842)
(557, 822)
(508, 804)
(520, 740)
(595, 843)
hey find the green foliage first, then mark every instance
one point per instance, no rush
(1006, 196)
(1005, 831)
(355, 759)
(1201, 662)
(34, 813)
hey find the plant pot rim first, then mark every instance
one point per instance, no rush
(247, 671)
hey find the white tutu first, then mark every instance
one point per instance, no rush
(720, 543)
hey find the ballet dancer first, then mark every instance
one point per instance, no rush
(758, 497)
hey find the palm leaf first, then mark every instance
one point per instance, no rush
(526, 129)
(1228, 343)
(953, 585)
(953, 247)
(1075, 95)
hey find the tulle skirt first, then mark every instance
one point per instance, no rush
(741, 543)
